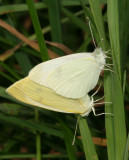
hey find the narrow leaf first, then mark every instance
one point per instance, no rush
(37, 27)
(88, 145)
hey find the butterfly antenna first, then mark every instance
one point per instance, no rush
(107, 52)
(75, 130)
(100, 42)
(91, 32)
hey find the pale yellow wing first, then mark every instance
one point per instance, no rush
(29, 92)
(16, 90)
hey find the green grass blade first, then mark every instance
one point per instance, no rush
(69, 146)
(7, 77)
(124, 30)
(88, 145)
(68, 137)
(31, 125)
(37, 27)
(118, 123)
(117, 93)
(126, 155)
(9, 69)
(24, 156)
(119, 117)
(113, 23)
(55, 22)
(38, 138)
(95, 6)
(76, 2)
(20, 8)
(75, 19)
(68, 143)
(24, 62)
(109, 120)
(89, 15)
(84, 45)
(54, 18)
(124, 82)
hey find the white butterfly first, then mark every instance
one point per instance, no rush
(71, 76)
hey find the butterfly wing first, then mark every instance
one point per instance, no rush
(39, 73)
(32, 93)
(70, 76)
(74, 79)
(16, 90)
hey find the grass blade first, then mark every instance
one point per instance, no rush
(55, 23)
(88, 145)
(109, 120)
(19, 8)
(119, 117)
(9, 69)
(24, 156)
(75, 19)
(126, 155)
(95, 6)
(44, 56)
(124, 82)
(37, 27)
(24, 62)
(54, 18)
(89, 15)
(68, 137)
(114, 33)
(7, 77)
(117, 94)
(38, 138)
(31, 125)
(124, 31)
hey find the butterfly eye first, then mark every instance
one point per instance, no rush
(98, 52)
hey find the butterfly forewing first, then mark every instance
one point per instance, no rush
(75, 79)
(70, 76)
(40, 73)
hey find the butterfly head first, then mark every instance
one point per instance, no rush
(98, 52)
(99, 56)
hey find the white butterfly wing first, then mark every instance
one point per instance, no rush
(40, 73)
(74, 79)
(70, 76)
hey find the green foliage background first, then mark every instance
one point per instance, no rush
(27, 131)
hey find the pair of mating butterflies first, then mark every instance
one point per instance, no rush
(62, 84)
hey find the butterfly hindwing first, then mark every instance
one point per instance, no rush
(31, 93)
